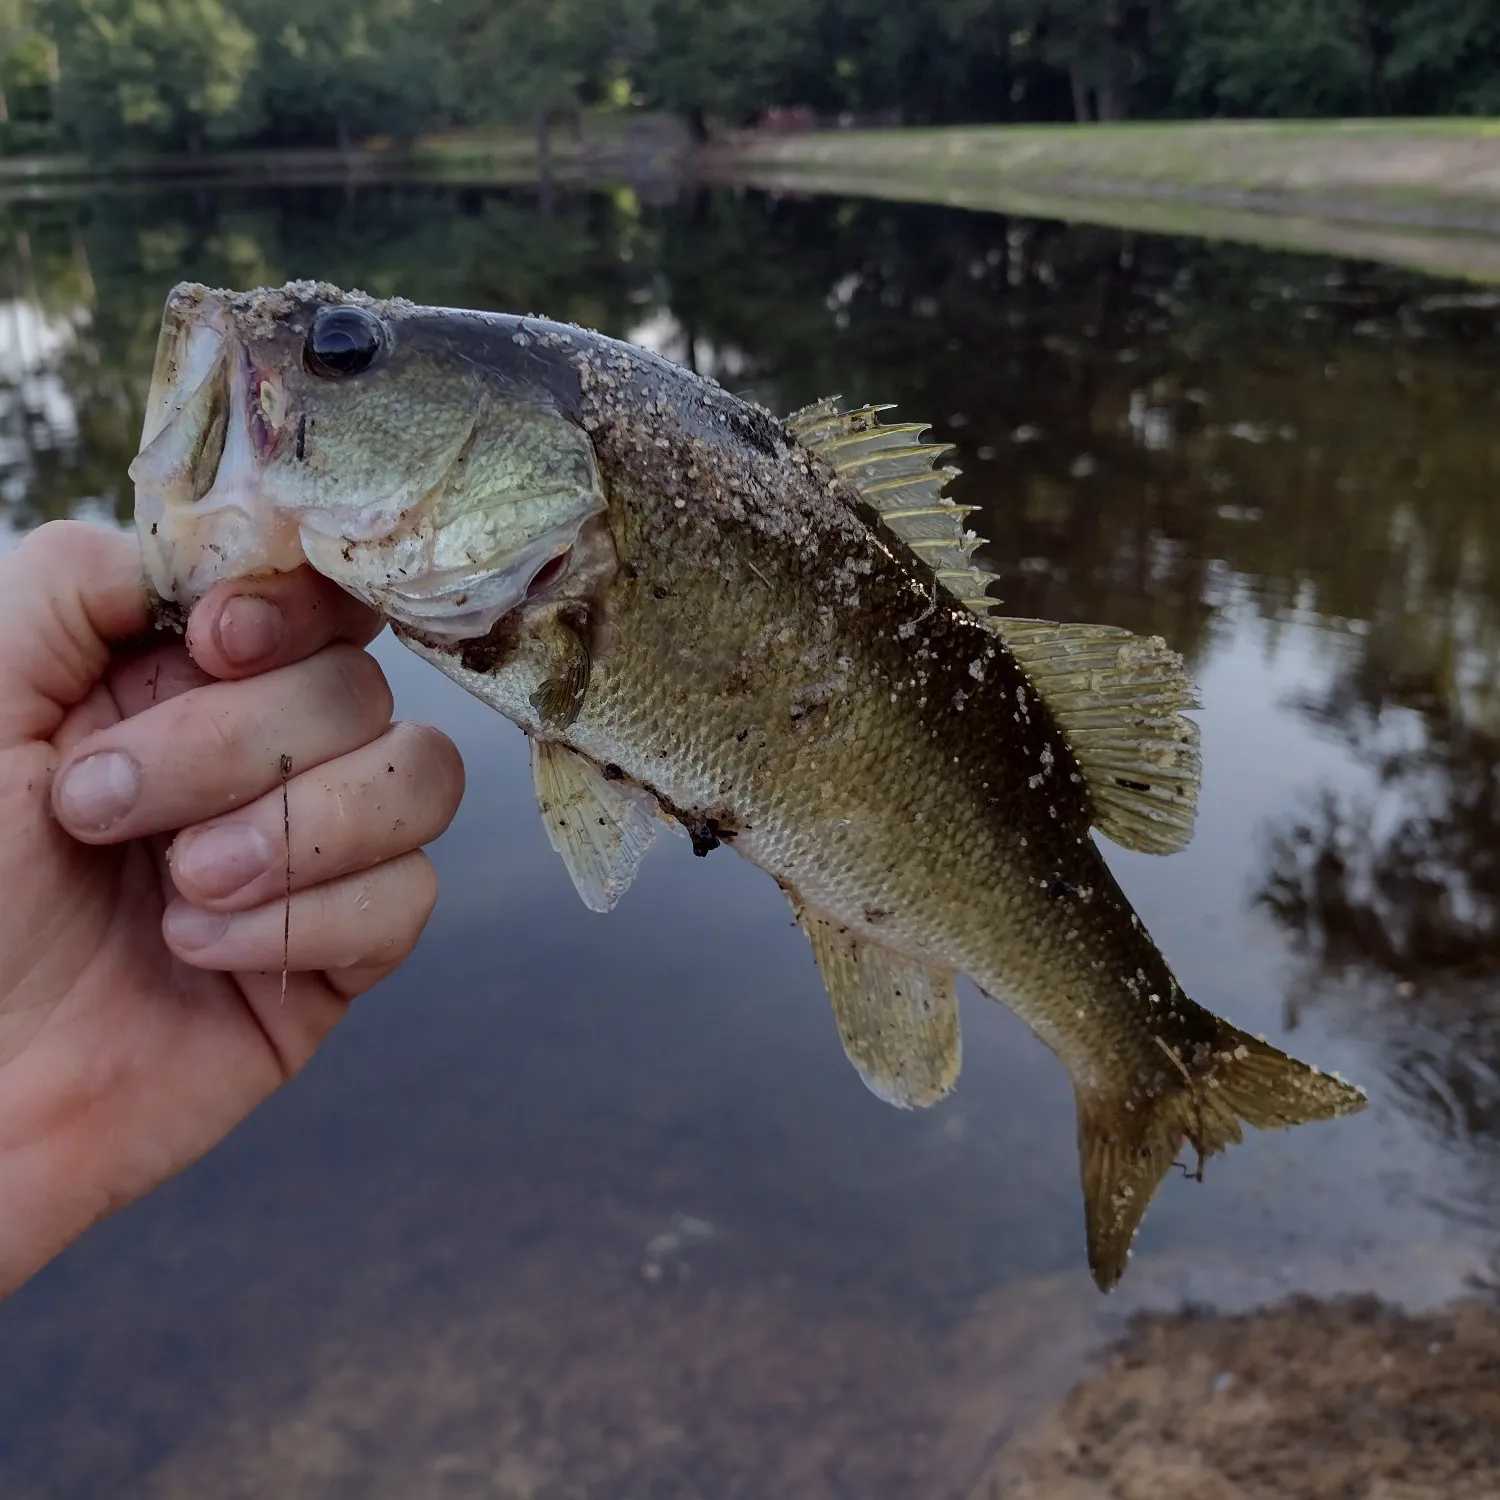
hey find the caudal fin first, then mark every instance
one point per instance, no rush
(1126, 1145)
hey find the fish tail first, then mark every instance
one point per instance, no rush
(1127, 1144)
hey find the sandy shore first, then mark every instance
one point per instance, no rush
(1345, 1400)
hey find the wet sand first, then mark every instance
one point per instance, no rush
(1347, 1400)
(689, 1373)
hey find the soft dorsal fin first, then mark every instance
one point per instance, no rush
(601, 828)
(1116, 697)
(898, 1019)
(893, 471)
(1118, 700)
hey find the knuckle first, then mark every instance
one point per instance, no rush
(360, 680)
(213, 733)
(56, 539)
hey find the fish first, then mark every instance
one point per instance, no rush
(772, 635)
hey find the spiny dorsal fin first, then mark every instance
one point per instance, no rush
(898, 1019)
(1118, 700)
(893, 471)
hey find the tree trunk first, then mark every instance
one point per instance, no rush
(697, 123)
(1366, 35)
(1111, 95)
(4, 108)
(1080, 94)
(341, 134)
(195, 138)
(546, 188)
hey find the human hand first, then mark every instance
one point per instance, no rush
(141, 1007)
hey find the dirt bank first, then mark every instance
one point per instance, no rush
(1343, 1400)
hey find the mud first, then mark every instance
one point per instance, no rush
(1345, 1400)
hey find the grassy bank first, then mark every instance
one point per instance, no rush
(1421, 193)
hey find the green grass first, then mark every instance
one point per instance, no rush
(1423, 193)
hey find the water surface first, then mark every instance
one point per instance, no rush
(595, 1206)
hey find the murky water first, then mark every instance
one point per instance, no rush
(582, 1206)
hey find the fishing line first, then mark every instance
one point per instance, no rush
(286, 917)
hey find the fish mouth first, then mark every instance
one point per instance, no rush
(200, 508)
(207, 512)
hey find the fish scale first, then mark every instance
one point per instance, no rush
(770, 634)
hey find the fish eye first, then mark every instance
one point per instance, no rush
(342, 341)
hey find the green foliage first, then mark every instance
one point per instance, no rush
(336, 70)
(517, 59)
(1445, 56)
(174, 74)
(1275, 57)
(723, 61)
(170, 72)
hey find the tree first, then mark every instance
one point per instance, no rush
(1280, 57)
(533, 60)
(338, 69)
(1445, 56)
(168, 72)
(725, 61)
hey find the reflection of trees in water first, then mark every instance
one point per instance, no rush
(1135, 414)
(92, 279)
(1392, 891)
(1143, 422)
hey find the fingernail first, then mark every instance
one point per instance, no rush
(97, 792)
(219, 860)
(249, 629)
(192, 927)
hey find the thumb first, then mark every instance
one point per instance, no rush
(67, 594)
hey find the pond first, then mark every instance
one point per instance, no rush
(594, 1206)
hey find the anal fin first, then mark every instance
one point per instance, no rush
(601, 828)
(898, 1019)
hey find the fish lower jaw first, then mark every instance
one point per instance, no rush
(185, 557)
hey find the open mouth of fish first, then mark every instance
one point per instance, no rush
(208, 506)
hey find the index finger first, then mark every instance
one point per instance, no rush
(243, 627)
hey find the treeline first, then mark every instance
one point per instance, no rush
(103, 75)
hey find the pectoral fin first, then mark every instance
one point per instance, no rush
(602, 828)
(560, 696)
(898, 1019)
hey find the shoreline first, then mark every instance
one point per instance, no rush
(1420, 194)
(1424, 194)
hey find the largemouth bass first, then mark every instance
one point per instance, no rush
(769, 633)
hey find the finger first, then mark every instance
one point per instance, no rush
(368, 920)
(296, 1023)
(66, 593)
(217, 747)
(386, 798)
(133, 682)
(138, 681)
(252, 625)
